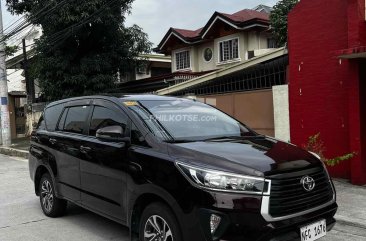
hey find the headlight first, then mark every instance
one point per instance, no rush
(223, 181)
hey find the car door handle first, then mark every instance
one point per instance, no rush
(85, 149)
(53, 141)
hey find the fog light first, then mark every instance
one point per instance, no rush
(214, 222)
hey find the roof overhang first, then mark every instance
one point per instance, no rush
(155, 58)
(222, 72)
(235, 26)
(173, 33)
(352, 53)
(15, 61)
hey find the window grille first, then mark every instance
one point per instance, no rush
(229, 50)
(182, 60)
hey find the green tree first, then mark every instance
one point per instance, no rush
(278, 19)
(84, 45)
(10, 50)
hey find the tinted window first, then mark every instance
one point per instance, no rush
(75, 119)
(52, 115)
(103, 117)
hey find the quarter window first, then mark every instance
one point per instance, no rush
(52, 114)
(103, 117)
(76, 118)
(182, 60)
(229, 50)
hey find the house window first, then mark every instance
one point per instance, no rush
(271, 43)
(229, 50)
(182, 60)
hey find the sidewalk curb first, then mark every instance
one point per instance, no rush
(350, 222)
(14, 152)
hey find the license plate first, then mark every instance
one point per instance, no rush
(313, 231)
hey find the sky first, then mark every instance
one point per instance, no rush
(157, 16)
(7, 17)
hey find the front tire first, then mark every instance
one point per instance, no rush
(51, 205)
(158, 223)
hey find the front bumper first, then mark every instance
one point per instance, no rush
(239, 229)
(242, 220)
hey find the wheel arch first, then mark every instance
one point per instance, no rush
(146, 198)
(40, 171)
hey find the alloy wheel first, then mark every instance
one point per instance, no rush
(157, 229)
(47, 196)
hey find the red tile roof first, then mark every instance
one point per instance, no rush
(246, 15)
(238, 17)
(188, 33)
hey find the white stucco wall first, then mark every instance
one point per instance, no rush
(251, 40)
(204, 65)
(281, 112)
(16, 82)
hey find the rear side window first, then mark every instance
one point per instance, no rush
(103, 117)
(51, 115)
(75, 119)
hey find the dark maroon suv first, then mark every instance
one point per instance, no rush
(174, 169)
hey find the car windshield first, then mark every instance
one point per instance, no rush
(186, 120)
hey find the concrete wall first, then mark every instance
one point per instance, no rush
(281, 112)
(33, 116)
(253, 108)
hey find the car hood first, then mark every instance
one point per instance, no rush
(258, 156)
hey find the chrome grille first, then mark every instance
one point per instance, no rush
(288, 195)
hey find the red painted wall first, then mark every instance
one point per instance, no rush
(324, 91)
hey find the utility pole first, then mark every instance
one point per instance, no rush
(4, 110)
(29, 83)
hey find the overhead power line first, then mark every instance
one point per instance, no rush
(43, 12)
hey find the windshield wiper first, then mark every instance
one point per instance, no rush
(179, 141)
(229, 137)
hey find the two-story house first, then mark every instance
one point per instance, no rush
(237, 66)
(225, 39)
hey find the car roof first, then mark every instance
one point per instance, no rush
(148, 97)
(135, 97)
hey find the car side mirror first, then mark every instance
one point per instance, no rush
(112, 134)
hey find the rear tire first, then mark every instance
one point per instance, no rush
(159, 223)
(51, 205)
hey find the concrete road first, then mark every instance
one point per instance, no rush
(21, 217)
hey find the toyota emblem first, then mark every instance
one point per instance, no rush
(308, 183)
